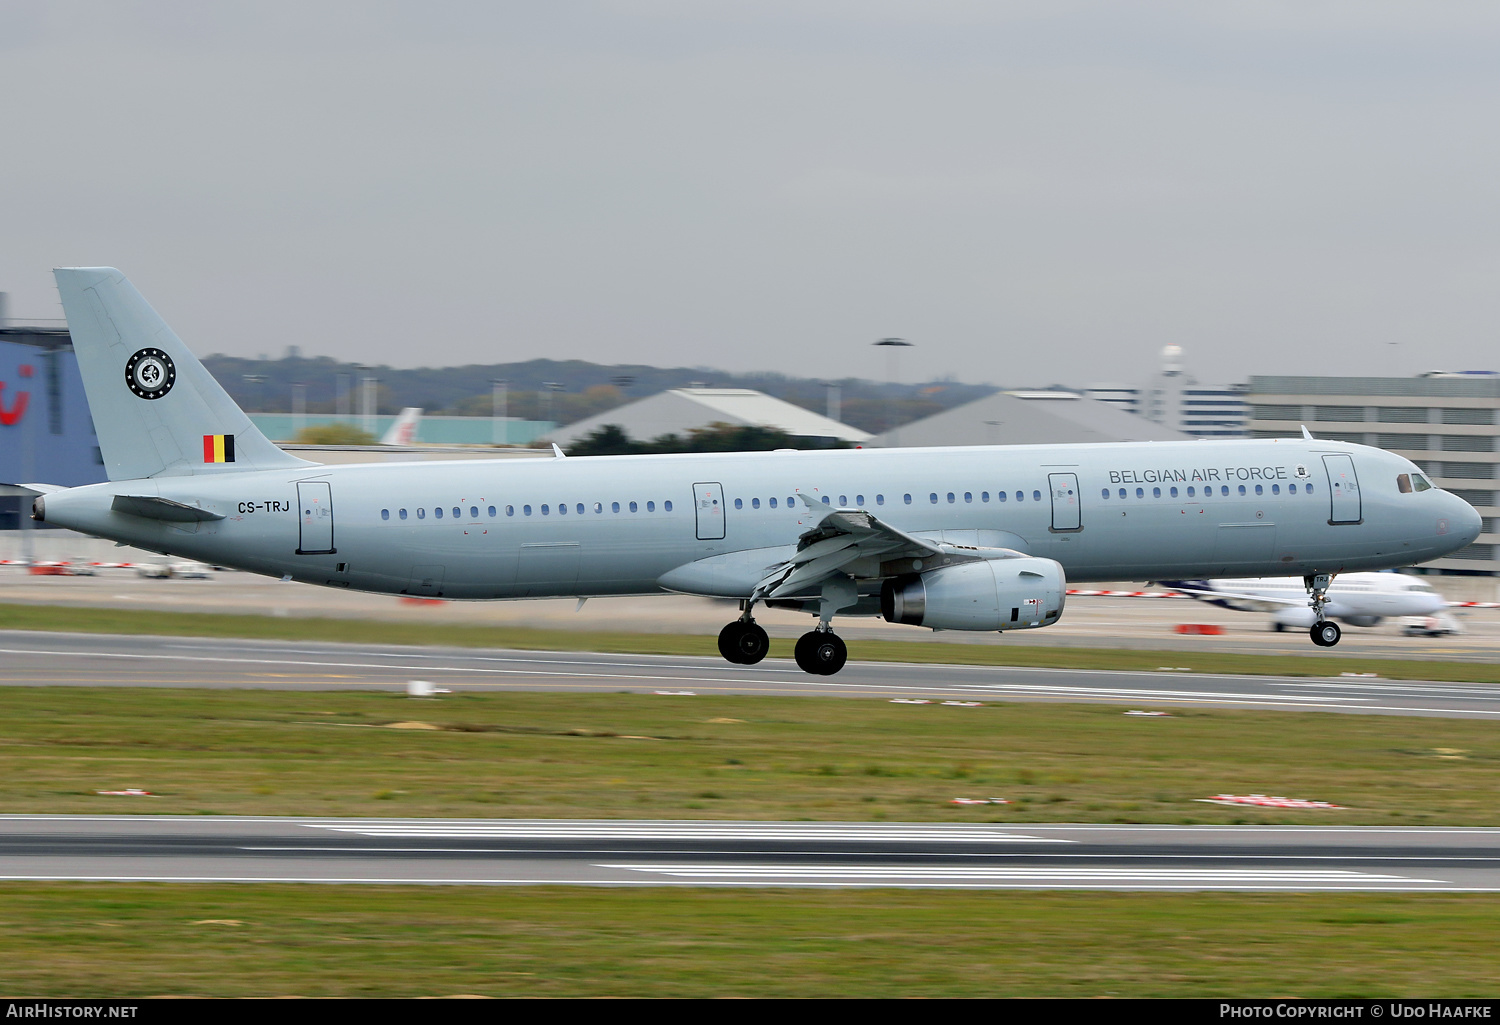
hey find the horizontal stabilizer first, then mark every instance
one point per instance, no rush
(153, 508)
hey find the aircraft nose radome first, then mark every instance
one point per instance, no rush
(1466, 521)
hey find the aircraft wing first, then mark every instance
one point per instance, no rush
(1269, 603)
(840, 537)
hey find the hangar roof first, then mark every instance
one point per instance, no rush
(683, 409)
(1028, 418)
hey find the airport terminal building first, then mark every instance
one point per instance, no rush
(1448, 424)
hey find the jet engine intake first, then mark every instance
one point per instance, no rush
(994, 594)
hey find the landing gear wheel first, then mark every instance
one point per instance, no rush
(743, 643)
(821, 653)
(1326, 634)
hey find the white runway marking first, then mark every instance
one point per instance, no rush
(704, 831)
(1023, 873)
(1122, 692)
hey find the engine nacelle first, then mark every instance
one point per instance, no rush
(995, 594)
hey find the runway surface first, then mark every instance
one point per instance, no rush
(1088, 622)
(53, 659)
(702, 853)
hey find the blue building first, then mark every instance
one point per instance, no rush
(46, 432)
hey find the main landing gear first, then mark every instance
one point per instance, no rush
(744, 642)
(1325, 633)
(820, 652)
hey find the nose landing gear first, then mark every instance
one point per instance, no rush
(1325, 633)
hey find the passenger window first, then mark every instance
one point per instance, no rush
(1104, 493)
(984, 496)
(1174, 492)
(1275, 489)
(667, 506)
(526, 509)
(1307, 488)
(1242, 489)
(1001, 494)
(1020, 496)
(1140, 492)
(1156, 492)
(908, 500)
(880, 500)
(950, 498)
(632, 507)
(755, 503)
(859, 500)
(739, 503)
(545, 510)
(968, 497)
(1259, 490)
(826, 501)
(1036, 496)
(1224, 490)
(1192, 493)
(651, 507)
(934, 498)
(492, 512)
(562, 509)
(791, 502)
(1122, 492)
(1403, 483)
(457, 512)
(474, 512)
(579, 508)
(510, 510)
(385, 514)
(614, 507)
(402, 514)
(773, 503)
(438, 512)
(421, 514)
(1291, 489)
(843, 501)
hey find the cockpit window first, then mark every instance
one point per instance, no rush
(1420, 483)
(1403, 483)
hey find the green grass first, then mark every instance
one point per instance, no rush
(127, 940)
(357, 631)
(564, 755)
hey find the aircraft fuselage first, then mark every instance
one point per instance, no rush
(616, 525)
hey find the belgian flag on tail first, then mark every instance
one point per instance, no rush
(218, 448)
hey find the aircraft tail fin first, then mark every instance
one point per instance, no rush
(404, 430)
(157, 410)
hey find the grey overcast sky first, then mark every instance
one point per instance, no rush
(1031, 192)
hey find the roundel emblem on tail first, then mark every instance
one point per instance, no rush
(150, 373)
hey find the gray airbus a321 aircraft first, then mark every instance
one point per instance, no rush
(979, 538)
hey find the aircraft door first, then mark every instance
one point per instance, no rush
(315, 518)
(708, 501)
(1343, 490)
(1065, 512)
